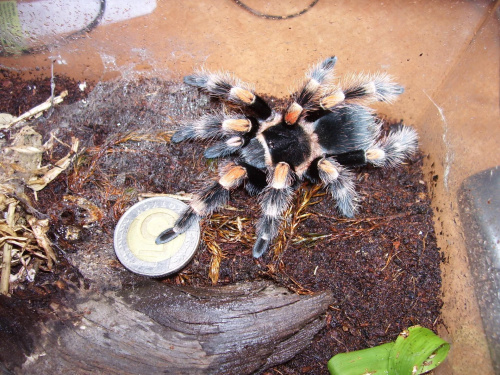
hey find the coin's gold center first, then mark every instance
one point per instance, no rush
(145, 228)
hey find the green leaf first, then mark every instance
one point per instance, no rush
(417, 350)
(362, 362)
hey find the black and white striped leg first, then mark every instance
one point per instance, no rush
(214, 127)
(339, 181)
(275, 200)
(394, 148)
(316, 77)
(206, 201)
(229, 88)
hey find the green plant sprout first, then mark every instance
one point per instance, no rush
(417, 350)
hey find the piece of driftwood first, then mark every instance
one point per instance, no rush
(160, 329)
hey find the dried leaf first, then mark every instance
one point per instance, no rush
(5, 120)
(28, 150)
(6, 229)
(94, 213)
(40, 228)
(25, 152)
(38, 184)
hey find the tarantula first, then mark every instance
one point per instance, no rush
(326, 129)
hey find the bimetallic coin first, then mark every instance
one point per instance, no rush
(136, 232)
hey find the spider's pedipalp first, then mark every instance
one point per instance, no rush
(292, 113)
(275, 200)
(231, 89)
(391, 150)
(206, 201)
(386, 90)
(339, 181)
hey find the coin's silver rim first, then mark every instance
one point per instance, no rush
(154, 269)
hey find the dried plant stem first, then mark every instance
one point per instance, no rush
(50, 102)
(4, 283)
(220, 228)
(217, 254)
(179, 196)
(7, 252)
(141, 137)
(352, 230)
(294, 216)
(297, 288)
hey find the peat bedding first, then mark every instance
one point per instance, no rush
(383, 266)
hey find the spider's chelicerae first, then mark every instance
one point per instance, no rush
(325, 130)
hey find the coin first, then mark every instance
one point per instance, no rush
(136, 232)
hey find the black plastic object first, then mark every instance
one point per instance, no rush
(479, 203)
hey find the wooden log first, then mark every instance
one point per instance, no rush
(157, 328)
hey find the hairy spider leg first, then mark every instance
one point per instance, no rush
(275, 200)
(231, 89)
(234, 131)
(213, 127)
(318, 75)
(225, 148)
(239, 139)
(206, 201)
(339, 182)
(361, 89)
(394, 148)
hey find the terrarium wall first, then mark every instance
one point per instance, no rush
(445, 53)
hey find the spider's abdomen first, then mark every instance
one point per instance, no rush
(347, 129)
(289, 144)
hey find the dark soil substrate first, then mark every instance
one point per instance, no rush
(383, 266)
